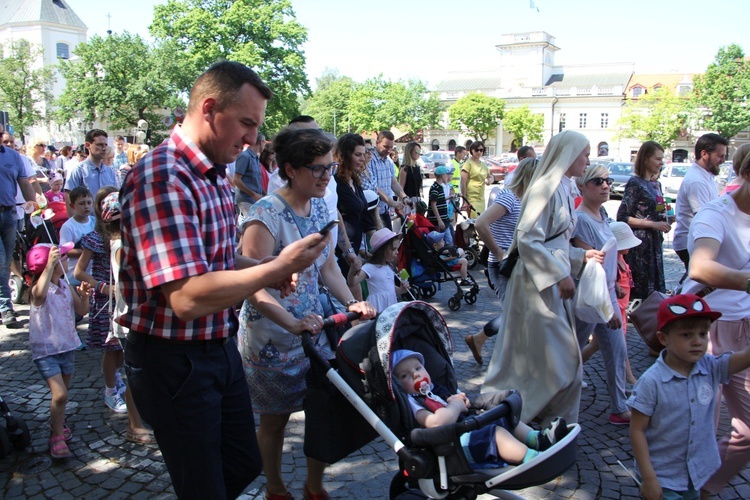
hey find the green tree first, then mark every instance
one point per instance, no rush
(373, 105)
(477, 115)
(25, 91)
(723, 91)
(524, 125)
(120, 79)
(658, 115)
(262, 34)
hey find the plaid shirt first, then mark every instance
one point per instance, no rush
(176, 223)
(382, 171)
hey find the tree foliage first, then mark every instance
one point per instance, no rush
(658, 115)
(524, 125)
(120, 79)
(25, 90)
(373, 105)
(477, 115)
(262, 34)
(723, 90)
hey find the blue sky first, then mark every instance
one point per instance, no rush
(427, 39)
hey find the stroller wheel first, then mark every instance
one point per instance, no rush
(429, 292)
(20, 438)
(454, 303)
(15, 284)
(5, 445)
(472, 257)
(470, 298)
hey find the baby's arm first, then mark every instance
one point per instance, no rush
(650, 488)
(447, 415)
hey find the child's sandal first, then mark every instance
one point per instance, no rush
(66, 431)
(58, 448)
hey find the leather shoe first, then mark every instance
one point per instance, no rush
(473, 348)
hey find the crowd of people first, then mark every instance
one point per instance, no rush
(206, 258)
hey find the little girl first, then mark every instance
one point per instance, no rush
(96, 250)
(377, 270)
(52, 332)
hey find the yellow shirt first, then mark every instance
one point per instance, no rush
(475, 186)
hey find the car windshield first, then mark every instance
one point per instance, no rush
(620, 169)
(678, 171)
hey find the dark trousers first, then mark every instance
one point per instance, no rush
(386, 219)
(196, 398)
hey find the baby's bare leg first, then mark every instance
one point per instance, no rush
(509, 448)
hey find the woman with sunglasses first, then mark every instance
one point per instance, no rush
(643, 209)
(592, 231)
(536, 350)
(271, 324)
(475, 175)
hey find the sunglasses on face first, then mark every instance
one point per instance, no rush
(479, 150)
(317, 170)
(598, 181)
(369, 150)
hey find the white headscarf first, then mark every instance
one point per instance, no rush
(558, 156)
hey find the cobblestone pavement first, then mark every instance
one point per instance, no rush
(105, 465)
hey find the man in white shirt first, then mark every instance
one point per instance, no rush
(697, 188)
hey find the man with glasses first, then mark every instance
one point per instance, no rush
(383, 174)
(92, 172)
(12, 176)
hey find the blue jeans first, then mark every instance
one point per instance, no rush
(614, 351)
(8, 225)
(196, 398)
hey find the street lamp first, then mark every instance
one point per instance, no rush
(140, 130)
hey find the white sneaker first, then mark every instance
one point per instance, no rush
(115, 403)
(584, 384)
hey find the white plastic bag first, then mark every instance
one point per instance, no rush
(592, 301)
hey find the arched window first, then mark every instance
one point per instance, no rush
(435, 145)
(452, 145)
(602, 149)
(63, 50)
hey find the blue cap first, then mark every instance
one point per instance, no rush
(442, 170)
(402, 354)
(433, 237)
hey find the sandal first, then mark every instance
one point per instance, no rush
(58, 448)
(140, 437)
(276, 496)
(473, 348)
(308, 495)
(66, 431)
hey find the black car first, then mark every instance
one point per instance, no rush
(620, 172)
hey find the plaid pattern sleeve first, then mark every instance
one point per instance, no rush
(176, 223)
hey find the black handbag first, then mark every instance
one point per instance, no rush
(510, 260)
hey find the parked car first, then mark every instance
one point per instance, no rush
(434, 159)
(671, 179)
(498, 170)
(726, 175)
(620, 172)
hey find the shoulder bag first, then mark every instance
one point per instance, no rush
(510, 261)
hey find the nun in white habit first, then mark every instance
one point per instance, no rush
(536, 350)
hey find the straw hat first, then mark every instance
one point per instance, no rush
(624, 235)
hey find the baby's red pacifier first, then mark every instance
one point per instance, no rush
(422, 386)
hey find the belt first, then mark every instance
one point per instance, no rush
(6, 209)
(143, 338)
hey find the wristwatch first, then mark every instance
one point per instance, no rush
(348, 251)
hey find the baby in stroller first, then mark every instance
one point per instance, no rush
(494, 445)
(452, 256)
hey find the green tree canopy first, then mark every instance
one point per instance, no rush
(373, 105)
(120, 79)
(524, 125)
(25, 91)
(477, 115)
(658, 115)
(262, 34)
(723, 90)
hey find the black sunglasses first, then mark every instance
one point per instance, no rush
(317, 170)
(598, 181)
(480, 150)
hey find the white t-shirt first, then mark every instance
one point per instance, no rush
(722, 221)
(30, 174)
(697, 189)
(72, 230)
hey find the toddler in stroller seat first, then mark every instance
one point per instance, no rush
(507, 442)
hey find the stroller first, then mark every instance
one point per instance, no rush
(426, 267)
(430, 460)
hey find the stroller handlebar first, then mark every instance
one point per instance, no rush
(340, 319)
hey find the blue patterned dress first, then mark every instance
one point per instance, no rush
(275, 364)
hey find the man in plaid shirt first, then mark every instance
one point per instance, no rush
(180, 280)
